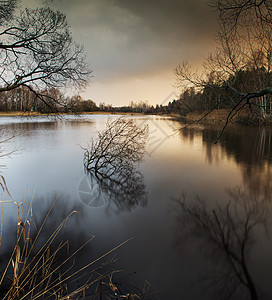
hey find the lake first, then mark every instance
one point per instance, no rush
(161, 259)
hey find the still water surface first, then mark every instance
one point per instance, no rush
(48, 163)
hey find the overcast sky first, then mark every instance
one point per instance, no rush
(133, 46)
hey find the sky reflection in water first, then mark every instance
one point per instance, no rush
(50, 162)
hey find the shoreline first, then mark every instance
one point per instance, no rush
(216, 117)
(219, 117)
(37, 114)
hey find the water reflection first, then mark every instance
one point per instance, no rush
(249, 147)
(112, 160)
(227, 234)
(52, 160)
(244, 144)
(121, 191)
(28, 126)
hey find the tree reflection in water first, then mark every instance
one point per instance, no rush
(120, 192)
(249, 147)
(227, 232)
(112, 160)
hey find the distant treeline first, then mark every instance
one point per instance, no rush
(213, 95)
(217, 94)
(45, 101)
(23, 99)
(141, 107)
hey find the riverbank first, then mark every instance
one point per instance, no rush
(219, 116)
(216, 116)
(33, 114)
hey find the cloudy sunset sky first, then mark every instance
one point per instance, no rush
(134, 46)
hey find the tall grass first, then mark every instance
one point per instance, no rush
(38, 268)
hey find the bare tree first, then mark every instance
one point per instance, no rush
(113, 160)
(121, 144)
(228, 229)
(241, 63)
(37, 51)
(234, 14)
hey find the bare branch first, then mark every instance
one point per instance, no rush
(37, 49)
(113, 157)
(237, 73)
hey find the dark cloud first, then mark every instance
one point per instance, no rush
(136, 39)
(125, 38)
(169, 18)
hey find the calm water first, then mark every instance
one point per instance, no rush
(48, 163)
